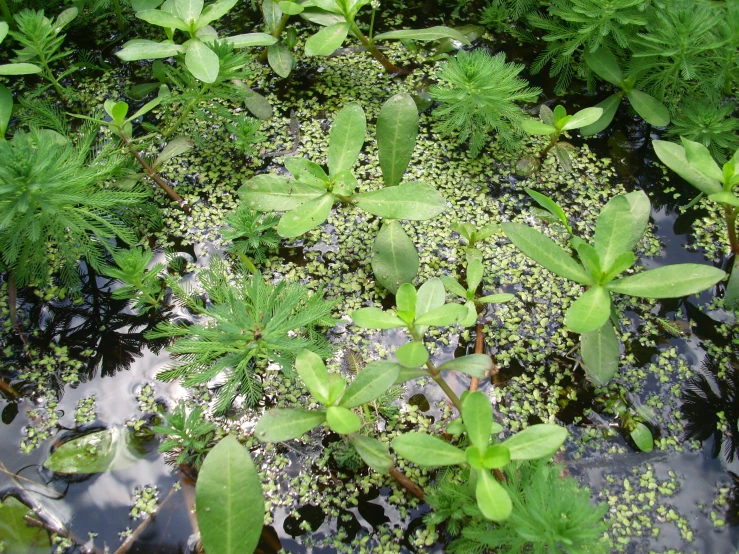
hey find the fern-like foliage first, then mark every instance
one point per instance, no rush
(710, 123)
(573, 26)
(188, 435)
(250, 323)
(251, 233)
(141, 285)
(478, 93)
(51, 206)
(499, 15)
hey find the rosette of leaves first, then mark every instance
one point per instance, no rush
(555, 122)
(250, 233)
(482, 457)
(605, 65)
(144, 286)
(188, 435)
(693, 162)
(308, 197)
(479, 93)
(708, 122)
(620, 225)
(337, 402)
(247, 324)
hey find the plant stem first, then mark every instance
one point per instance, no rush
(276, 32)
(50, 76)
(406, 483)
(7, 16)
(389, 66)
(552, 143)
(119, 14)
(479, 345)
(730, 214)
(436, 376)
(186, 111)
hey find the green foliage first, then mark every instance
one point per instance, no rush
(479, 94)
(253, 322)
(251, 233)
(15, 68)
(188, 435)
(142, 285)
(247, 135)
(54, 209)
(710, 123)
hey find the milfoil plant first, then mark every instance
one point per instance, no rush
(308, 197)
(620, 225)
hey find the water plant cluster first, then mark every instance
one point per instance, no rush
(101, 184)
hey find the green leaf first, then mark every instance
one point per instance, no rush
(560, 152)
(560, 114)
(322, 17)
(202, 62)
(600, 351)
(536, 127)
(336, 388)
(590, 311)
(394, 257)
(496, 298)
(671, 281)
(496, 456)
(535, 442)
(406, 298)
(475, 365)
(283, 424)
(174, 147)
(725, 198)
(610, 107)
(273, 193)
(546, 252)
(443, 316)
(290, 8)
(272, 14)
(412, 354)
(375, 318)
(19, 69)
(640, 210)
(585, 117)
(642, 436)
(4, 28)
(453, 286)
(250, 39)
(118, 112)
(258, 105)
(605, 65)
(93, 453)
(700, 158)
(162, 19)
(620, 264)
(327, 40)
(430, 295)
(649, 108)
(427, 451)
(370, 383)
(614, 231)
(492, 498)
(313, 373)
(280, 59)
(346, 138)
(731, 297)
(342, 421)
(305, 171)
(189, 10)
(474, 274)
(214, 11)
(550, 205)
(374, 453)
(397, 128)
(6, 109)
(147, 50)
(16, 535)
(477, 415)
(589, 258)
(302, 219)
(673, 156)
(229, 498)
(415, 201)
(424, 35)
(409, 373)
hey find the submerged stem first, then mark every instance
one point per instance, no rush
(406, 483)
(186, 111)
(730, 214)
(436, 376)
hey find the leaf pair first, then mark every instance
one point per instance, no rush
(535, 442)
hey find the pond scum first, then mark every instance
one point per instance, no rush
(340, 276)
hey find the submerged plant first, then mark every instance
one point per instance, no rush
(144, 286)
(247, 134)
(710, 123)
(478, 95)
(188, 435)
(251, 233)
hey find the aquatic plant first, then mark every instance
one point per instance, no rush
(619, 227)
(708, 122)
(479, 93)
(188, 435)
(15, 68)
(250, 233)
(142, 285)
(250, 324)
(307, 199)
(246, 133)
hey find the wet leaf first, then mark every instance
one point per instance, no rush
(96, 452)
(15, 533)
(282, 424)
(374, 453)
(394, 257)
(370, 383)
(600, 350)
(397, 128)
(642, 436)
(427, 451)
(535, 442)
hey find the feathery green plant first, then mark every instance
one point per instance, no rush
(143, 286)
(246, 133)
(187, 434)
(479, 94)
(251, 233)
(16, 68)
(710, 123)
(252, 323)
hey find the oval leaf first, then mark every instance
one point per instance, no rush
(427, 451)
(280, 59)
(327, 40)
(415, 201)
(250, 39)
(306, 217)
(536, 127)
(375, 318)
(307, 172)
(342, 420)
(313, 373)
(424, 35)
(412, 354)
(443, 316)
(162, 19)
(642, 436)
(370, 383)
(673, 156)
(652, 110)
(282, 424)
(605, 65)
(397, 128)
(537, 441)
(477, 415)
(492, 498)
(147, 50)
(600, 351)
(346, 138)
(10, 69)
(671, 281)
(274, 193)
(590, 311)
(374, 453)
(202, 62)
(610, 107)
(394, 257)
(585, 117)
(475, 365)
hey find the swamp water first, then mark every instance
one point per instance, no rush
(91, 369)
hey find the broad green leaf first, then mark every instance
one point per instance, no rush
(642, 437)
(610, 107)
(65, 18)
(496, 298)
(6, 109)
(550, 205)
(700, 158)
(424, 35)
(477, 415)
(427, 451)
(280, 59)
(725, 198)
(139, 5)
(174, 147)
(443, 316)
(536, 127)
(560, 152)
(589, 258)
(535, 442)
(599, 350)
(336, 388)
(342, 420)
(146, 108)
(640, 209)
(283, 424)
(272, 14)
(306, 217)
(229, 498)
(251, 39)
(671, 281)
(327, 40)
(496, 456)
(546, 252)
(328, 5)
(394, 257)
(474, 274)
(290, 8)
(474, 457)
(374, 453)
(412, 354)
(258, 105)
(397, 128)
(370, 383)
(560, 113)
(119, 111)
(410, 373)
(214, 11)
(346, 138)
(189, 10)
(590, 311)
(273, 193)
(202, 62)
(148, 49)
(322, 17)
(605, 65)
(4, 28)
(345, 183)
(16, 535)
(614, 230)
(375, 318)
(96, 452)
(475, 365)
(585, 117)
(731, 297)
(620, 264)
(313, 373)
(492, 498)
(406, 298)
(162, 19)
(10, 69)
(649, 108)
(471, 317)
(430, 295)
(673, 156)
(453, 286)
(415, 201)
(307, 172)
